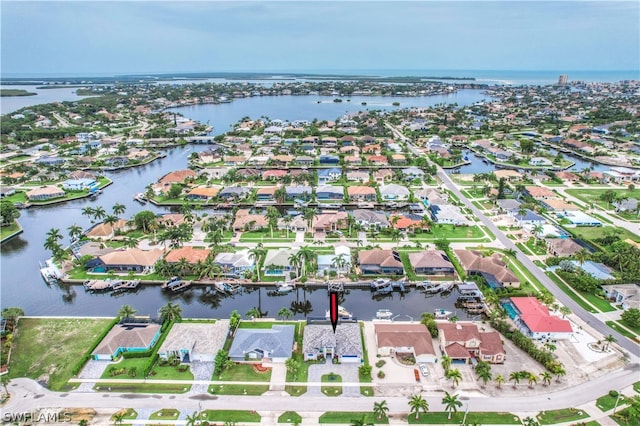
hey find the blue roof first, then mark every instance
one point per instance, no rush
(596, 270)
(530, 216)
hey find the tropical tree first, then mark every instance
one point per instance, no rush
(380, 409)
(126, 312)
(451, 404)
(306, 255)
(99, 213)
(609, 339)
(455, 375)
(88, 211)
(75, 232)
(417, 404)
(309, 214)
(144, 220)
(537, 231)
(546, 378)
(285, 313)
(362, 421)
(340, 262)
(293, 366)
(582, 256)
(118, 418)
(559, 372)
(110, 219)
(253, 313)
(532, 379)
(446, 362)
(515, 377)
(192, 419)
(499, 379)
(256, 254)
(171, 312)
(564, 310)
(130, 242)
(484, 375)
(272, 217)
(118, 209)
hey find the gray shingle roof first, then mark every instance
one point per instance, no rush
(276, 342)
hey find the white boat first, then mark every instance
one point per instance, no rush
(342, 313)
(284, 288)
(384, 314)
(442, 314)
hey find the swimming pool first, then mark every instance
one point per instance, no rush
(511, 310)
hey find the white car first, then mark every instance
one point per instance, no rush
(424, 370)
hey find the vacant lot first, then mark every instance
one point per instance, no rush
(48, 349)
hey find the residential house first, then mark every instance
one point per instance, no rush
(394, 192)
(628, 205)
(357, 175)
(249, 173)
(202, 193)
(361, 193)
(178, 176)
(627, 295)
(382, 175)
(508, 205)
(377, 160)
(235, 264)
(274, 174)
(304, 160)
(379, 261)
(448, 214)
(578, 218)
(408, 222)
(273, 344)
(129, 260)
(370, 218)
(415, 339)
(190, 254)
(191, 342)
(562, 247)
(508, 175)
(539, 193)
(328, 175)
(411, 173)
(266, 193)
(431, 262)
(297, 223)
(567, 176)
(249, 222)
(534, 320)
(463, 341)
(106, 231)
(234, 193)
(45, 193)
(353, 160)
(126, 337)
(298, 192)
(234, 160)
(80, 184)
(540, 162)
(343, 345)
(51, 161)
(527, 217)
(330, 222)
(558, 205)
(329, 160)
(398, 159)
(329, 192)
(431, 196)
(332, 262)
(277, 262)
(492, 268)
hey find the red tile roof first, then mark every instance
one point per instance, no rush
(537, 318)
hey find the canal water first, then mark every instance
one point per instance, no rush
(21, 284)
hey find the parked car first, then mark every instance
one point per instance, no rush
(424, 370)
(417, 374)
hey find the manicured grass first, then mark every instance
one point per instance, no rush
(165, 414)
(592, 196)
(636, 387)
(366, 390)
(5, 231)
(228, 389)
(635, 329)
(560, 416)
(18, 197)
(456, 418)
(127, 414)
(607, 402)
(349, 416)
(623, 331)
(243, 373)
(290, 417)
(231, 416)
(450, 232)
(142, 387)
(595, 232)
(619, 420)
(331, 390)
(302, 375)
(278, 236)
(52, 346)
(599, 303)
(164, 372)
(580, 301)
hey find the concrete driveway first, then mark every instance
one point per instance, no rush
(348, 373)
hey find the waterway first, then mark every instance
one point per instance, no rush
(44, 96)
(20, 281)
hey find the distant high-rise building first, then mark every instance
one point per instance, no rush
(562, 80)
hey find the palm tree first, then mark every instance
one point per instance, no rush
(417, 404)
(130, 242)
(88, 211)
(118, 418)
(339, 262)
(287, 221)
(546, 378)
(515, 378)
(609, 339)
(256, 254)
(537, 231)
(309, 214)
(306, 255)
(455, 375)
(99, 213)
(126, 312)
(533, 379)
(559, 372)
(292, 366)
(484, 375)
(192, 419)
(253, 313)
(118, 209)
(582, 256)
(110, 219)
(183, 266)
(362, 421)
(380, 409)
(170, 312)
(499, 381)
(285, 313)
(446, 362)
(451, 403)
(294, 262)
(272, 217)
(75, 232)
(564, 310)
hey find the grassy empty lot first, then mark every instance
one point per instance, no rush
(592, 196)
(560, 416)
(52, 347)
(593, 233)
(472, 418)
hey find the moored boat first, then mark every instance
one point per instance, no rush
(384, 314)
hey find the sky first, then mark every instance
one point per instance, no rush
(137, 37)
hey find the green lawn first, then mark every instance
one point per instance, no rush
(560, 416)
(635, 329)
(636, 387)
(592, 196)
(595, 232)
(607, 402)
(5, 231)
(456, 418)
(619, 420)
(165, 414)
(142, 387)
(228, 389)
(278, 236)
(290, 417)
(244, 416)
(127, 413)
(349, 416)
(450, 232)
(302, 374)
(623, 331)
(243, 373)
(331, 390)
(579, 300)
(52, 347)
